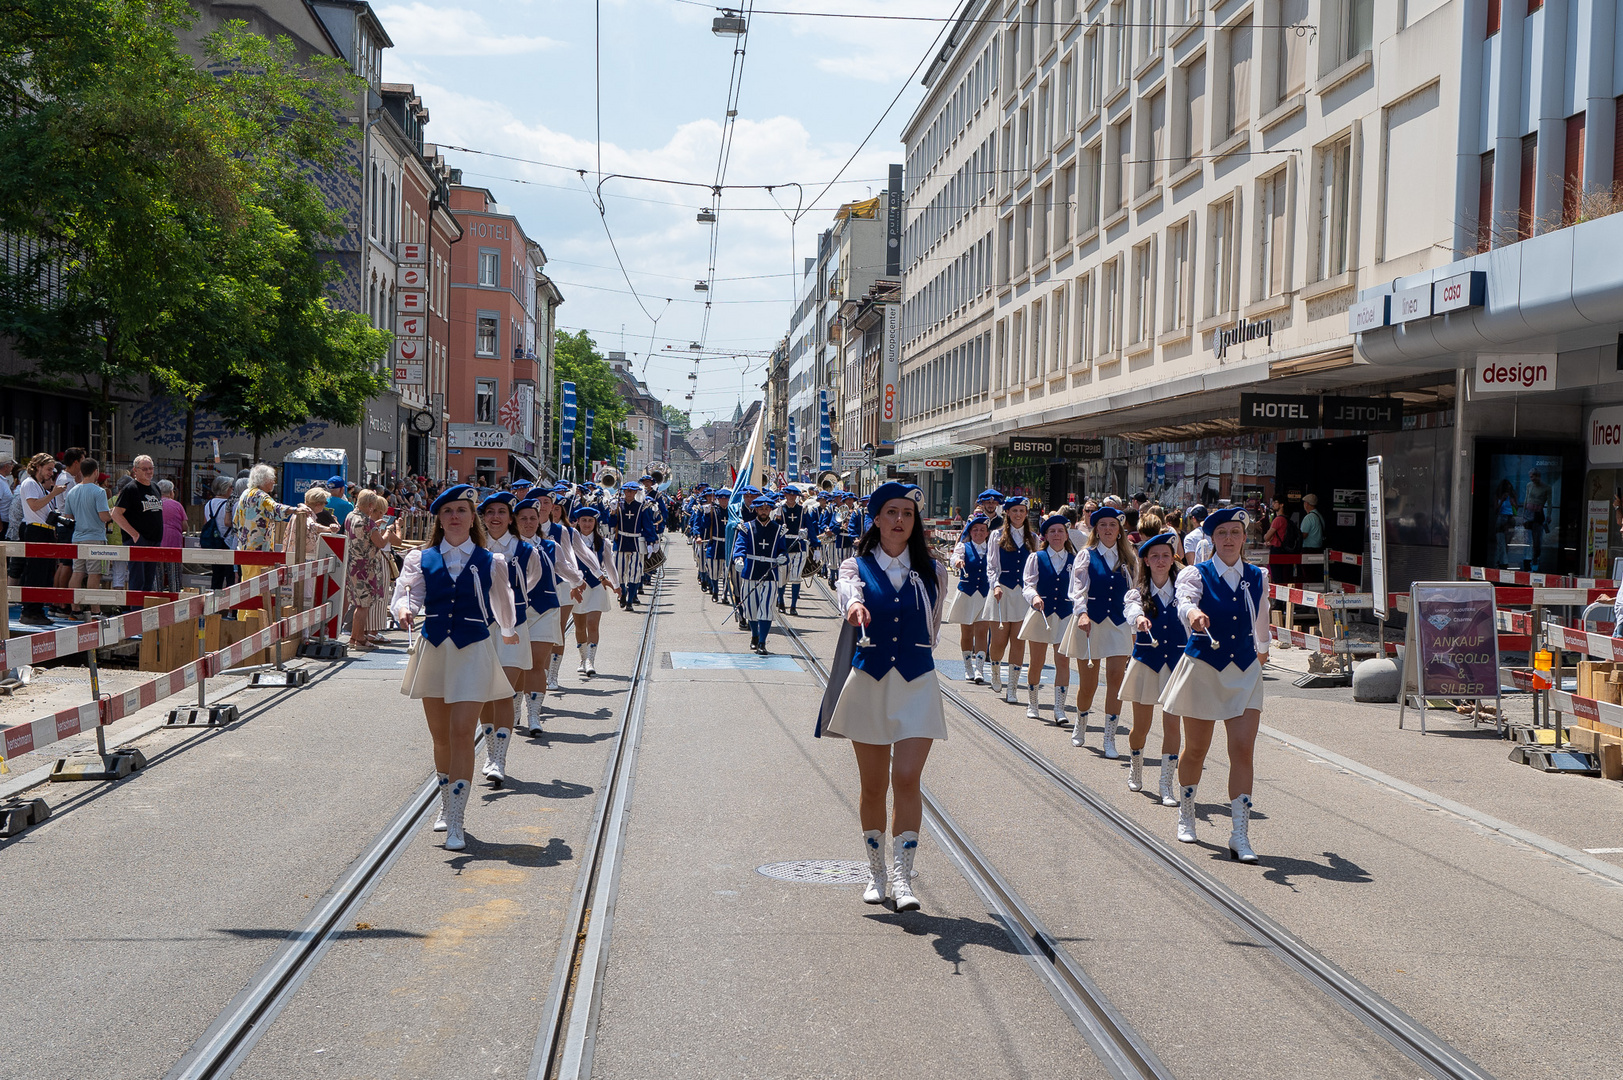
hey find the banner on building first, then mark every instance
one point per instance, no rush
(825, 441)
(772, 449)
(566, 431)
(893, 225)
(890, 369)
(511, 414)
(794, 454)
(586, 448)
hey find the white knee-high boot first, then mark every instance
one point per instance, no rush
(996, 674)
(1059, 705)
(980, 667)
(1240, 839)
(1186, 814)
(456, 804)
(533, 709)
(553, 669)
(873, 842)
(1135, 770)
(591, 661)
(1031, 703)
(445, 784)
(904, 847)
(582, 666)
(1111, 722)
(1169, 779)
(1012, 691)
(1079, 734)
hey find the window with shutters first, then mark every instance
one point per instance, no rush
(1335, 208)
(1273, 234)
(1222, 265)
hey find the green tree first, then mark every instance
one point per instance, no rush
(596, 387)
(678, 421)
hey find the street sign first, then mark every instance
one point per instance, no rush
(409, 374)
(410, 349)
(853, 459)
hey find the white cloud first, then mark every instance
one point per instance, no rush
(420, 29)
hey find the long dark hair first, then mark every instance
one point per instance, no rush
(918, 551)
(1146, 584)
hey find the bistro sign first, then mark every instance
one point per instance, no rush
(1052, 449)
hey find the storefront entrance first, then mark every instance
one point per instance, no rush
(1332, 469)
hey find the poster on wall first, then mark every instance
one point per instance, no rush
(1526, 498)
(1452, 644)
(1598, 519)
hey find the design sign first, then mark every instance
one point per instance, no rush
(1514, 374)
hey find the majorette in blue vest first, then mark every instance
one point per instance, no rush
(499, 718)
(1155, 655)
(1100, 586)
(759, 552)
(597, 570)
(968, 603)
(1052, 585)
(1006, 569)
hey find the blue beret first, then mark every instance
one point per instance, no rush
(583, 508)
(1054, 519)
(1015, 500)
(990, 495)
(331, 480)
(1170, 539)
(645, 477)
(1197, 509)
(516, 484)
(1103, 512)
(452, 494)
(500, 498)
(892, 489)
(977, 519)
(1223, 515)
(526, 504)
(541, 493)
(630, 485)
(722, 493)
(763, 500)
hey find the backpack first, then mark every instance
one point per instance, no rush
(210, 535)
(1293, 536)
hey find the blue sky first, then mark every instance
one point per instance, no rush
(517, 78)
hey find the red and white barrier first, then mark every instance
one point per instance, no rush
(137, 553)
(1600, 646)
(153, 691)
(25, 738)
(1325, 601)
(1540, 581)
(1316, 643)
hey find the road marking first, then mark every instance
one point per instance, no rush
(1543, 843)
(1603, 851)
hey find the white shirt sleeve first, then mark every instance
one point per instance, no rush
(850, 589)
(1030, 575)
(993, 550)
(957, 553)
(1259, 618)
(501, 594)
(585, 561)
(1078, 589)
(1190, 590)
(531, 572)
(1133, 606)
(936, 613)
(409, 589)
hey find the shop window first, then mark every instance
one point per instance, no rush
(484, 401)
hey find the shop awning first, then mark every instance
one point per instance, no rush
(913, 452)
(525, 467)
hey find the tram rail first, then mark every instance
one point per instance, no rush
(1411, 1038)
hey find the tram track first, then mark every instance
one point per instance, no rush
(227, 1042)
(1415, 1041)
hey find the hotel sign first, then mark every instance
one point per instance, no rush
(1279, 410)
(1363, 413)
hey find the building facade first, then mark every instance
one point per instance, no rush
(645, 419)
(1126, 220)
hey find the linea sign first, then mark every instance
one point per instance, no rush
(1279, 410)
(1241, 332)
(1605, 436)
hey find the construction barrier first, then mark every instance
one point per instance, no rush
(87, 637)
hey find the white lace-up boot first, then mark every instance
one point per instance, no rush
(1169, 779)
(489, 732)
(582, 646)
(1240, 839)
(1059, 705)
(1079, 734)
(554, 668)
(980, 667)
(904, 847)
(439, 820)
(1111, 722)
(1186, 814)
(969, 667)
(873, 841)
(996, 674)
(1031, 703)
(456, 805)
(1135, 770)
(591, 661)
(1011, 692)
(496, 744)
(534, 717)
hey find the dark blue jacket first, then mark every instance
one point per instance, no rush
(759, 546)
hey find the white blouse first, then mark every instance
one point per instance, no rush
(411, 589)
(897, 569)
(1133, 607)
(1191, 589)
(994, 548)
(505, 546)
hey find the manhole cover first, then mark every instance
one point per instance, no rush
(818, 871)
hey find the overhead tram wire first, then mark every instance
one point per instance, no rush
(872, 17)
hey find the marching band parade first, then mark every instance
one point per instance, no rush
(1187, 635)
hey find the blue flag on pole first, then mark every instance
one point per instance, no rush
(825, 441)
(772, 450)
(794, 454)
(586, 443)
(566, 434)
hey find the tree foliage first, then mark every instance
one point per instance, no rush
(678, 421)
(597, 387)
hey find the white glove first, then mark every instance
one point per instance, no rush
(738, 564)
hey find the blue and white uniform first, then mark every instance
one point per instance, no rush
(1006, 568)
(524, 567)
(548, 590)
(1219, 675)
(969, 599)
(460, 591)
(892, 692)
(1048, 575)
(597, 569)
(634, 528)
(1150, 669)
(797, 525)
(757, 551)
(1099, 585)
(711, 531)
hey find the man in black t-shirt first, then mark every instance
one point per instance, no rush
(139, 513)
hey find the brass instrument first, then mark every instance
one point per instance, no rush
(828, 481)
(610, 480)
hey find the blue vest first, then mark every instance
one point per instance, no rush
(1011, 565)
(544, 593)
(515, 577)
(794, 527)
(1168, 630)
(592, 580)
(1230, 615)
(899, 626)
(974, 579)
(1107, 589)
(457, 609)
(1053, 585)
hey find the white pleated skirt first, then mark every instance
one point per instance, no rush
(546, 628)
(889, 710)
(514, 656)
(966, 608)
(1103, 639)
(1012, 608)
(1043, 629)
(452, 674)
(1143, 685)
(1199, 690)
(760, 599)
(596, 599)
